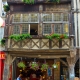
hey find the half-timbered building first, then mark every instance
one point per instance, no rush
(40, 19)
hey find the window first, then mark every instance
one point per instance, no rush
(25, 28)
(65, 28)
(25, 18)
(47, 29)
(34, 17)
(34, 29)
(65, 17)
(47, 17)
(16, 29)
(57, 17)
(60, 23)
(17, 18)
(58, 28)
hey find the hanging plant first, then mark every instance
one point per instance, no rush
(6, 8)
(44, 66)
(21, 65)
(34, 65)
(56, 36)
(3, 41)
(18, 37)
(28, 1)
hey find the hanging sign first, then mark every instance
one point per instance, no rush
(2, 55)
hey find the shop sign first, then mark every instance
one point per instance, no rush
(2, 55)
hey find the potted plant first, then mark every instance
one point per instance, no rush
(56, 36)
(3, 41)
(44, 66)
(6, 8)
(34, 65)
(21, 65)
(18, 37)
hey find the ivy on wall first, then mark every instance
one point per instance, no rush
(28, 1)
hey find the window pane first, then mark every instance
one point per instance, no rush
(25, 28)
(65, 17)
(65, 28)
(17, 17)
(25, 18)
(34, 17)
(47, 17)
(57, 28)
(16, 29)
(47, 29)
(57, 17)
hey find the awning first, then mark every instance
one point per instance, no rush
(2, 22)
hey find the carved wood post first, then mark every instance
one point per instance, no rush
(6, 67)
(71, 65)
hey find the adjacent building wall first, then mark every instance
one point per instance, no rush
(76, 12)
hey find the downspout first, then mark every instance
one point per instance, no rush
(74, 7)
(78, 30)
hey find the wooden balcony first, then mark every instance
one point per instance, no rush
(40, 44)
(36, 1)
(40, 48)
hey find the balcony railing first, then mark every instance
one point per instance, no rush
(40, 44)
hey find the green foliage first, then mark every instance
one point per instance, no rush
(28, 1)
(21, 65)
(44, 66)
(34, 65)
(6, 8)
(2, 42)
(53, 1)
(18, 37)
(56, 36)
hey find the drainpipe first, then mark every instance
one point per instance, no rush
(78, 13)
(74, 8)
